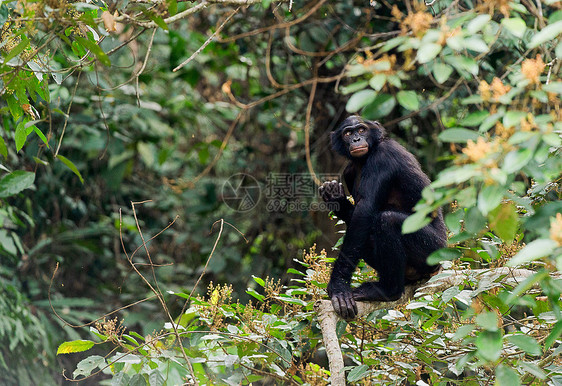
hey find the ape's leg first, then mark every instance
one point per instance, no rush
(388, 257)
(419, 245)
(392, 252)
(339, 287)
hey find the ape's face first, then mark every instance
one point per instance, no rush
(356, 139)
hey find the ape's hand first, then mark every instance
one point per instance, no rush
(332, 191)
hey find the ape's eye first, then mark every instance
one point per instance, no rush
(347, 133)
(361, 130)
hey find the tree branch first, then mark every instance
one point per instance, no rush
(328, 318)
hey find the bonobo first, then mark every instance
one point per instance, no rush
(386, 181)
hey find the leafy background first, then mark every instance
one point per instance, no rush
(106, 104)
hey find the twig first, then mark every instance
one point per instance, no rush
(307, 133)
(258, 31)
(66, 323)
(141, 70)
(190, 184)
(171, 19)
(67, 114)
(208, 41)
(156, 290)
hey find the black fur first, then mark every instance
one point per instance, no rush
(385, 183)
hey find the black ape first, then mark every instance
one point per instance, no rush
(386, 182)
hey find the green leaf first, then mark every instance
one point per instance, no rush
(95, 49)
(172, 7)
(453, 220)
(85, 366)
(17, 49)
(552, 139)
(120, 379)
(157, 19)
(14, 106)
(427, 52)
(463, 331)
(515, 25)
(513, 118)
(354, 87)
(71, 166)
(442, 72)
(534, 250)
(463, 63)
(358, 373)
(487, 320)
(156, 378)
(504, 221)
(489, 345)
(41, 135)
(458, 134)
(75, 346)
(547, 33)
(383, 65)
(415, 222)
(295, 272)
(408, 100)
(555, 87)
(4, 13)
(554, 335)
(526, 343)
(443, 254)
(137, 380)
(532, 369)
(254, 293)
(356, 70)
(377, 82)
(506, 376)
(3, 148)
(259, 280)
(525, 285)
(474, 221)
(489, 198)
(15, 182)
(359, 100)
(475, 118)
(489, 122)
(475, 44)
(515, 160)
(456, 175)
(380, 107)
(20, 135)
(478, 23)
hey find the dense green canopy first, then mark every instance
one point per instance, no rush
(159, 165)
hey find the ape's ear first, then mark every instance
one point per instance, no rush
(378, 131)
(338, 144)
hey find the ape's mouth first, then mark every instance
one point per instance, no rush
(358, 151)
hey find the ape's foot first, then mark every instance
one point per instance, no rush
(344, 305)
(374, 292)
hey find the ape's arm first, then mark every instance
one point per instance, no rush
(332, 192)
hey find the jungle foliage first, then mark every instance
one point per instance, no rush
(106, 105)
